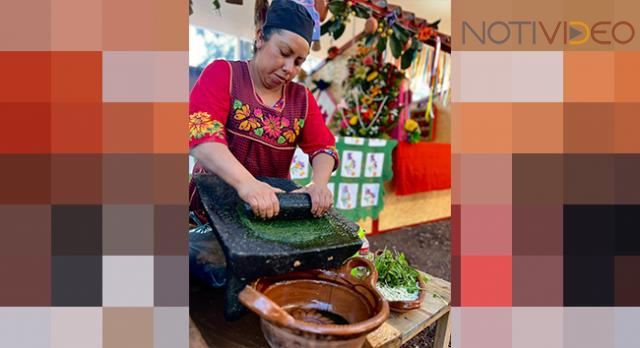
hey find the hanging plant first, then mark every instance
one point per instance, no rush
(381, 33)
(341, 12)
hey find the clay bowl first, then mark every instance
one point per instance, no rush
(318, 308)
(405, 306)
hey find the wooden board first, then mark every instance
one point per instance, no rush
(210, 326)
(409, 324)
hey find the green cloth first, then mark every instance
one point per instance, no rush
(358, 183)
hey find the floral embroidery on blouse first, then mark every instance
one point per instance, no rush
(261, 124)
(201, 124)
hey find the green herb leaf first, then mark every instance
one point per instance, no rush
(394, 271)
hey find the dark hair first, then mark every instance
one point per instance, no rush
(265, 35)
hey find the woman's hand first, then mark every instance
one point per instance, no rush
(321, 198)
(261, 197)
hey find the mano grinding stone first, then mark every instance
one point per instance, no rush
(293, 206)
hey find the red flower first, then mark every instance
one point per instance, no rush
(425, 33)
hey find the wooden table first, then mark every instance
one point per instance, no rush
(401, 327)
(208, 328)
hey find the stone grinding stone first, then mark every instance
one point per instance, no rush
(249, 257)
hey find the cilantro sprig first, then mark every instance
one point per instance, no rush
(394, 271)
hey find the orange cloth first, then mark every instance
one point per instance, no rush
(421, 167)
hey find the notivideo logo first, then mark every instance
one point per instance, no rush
(534, 32)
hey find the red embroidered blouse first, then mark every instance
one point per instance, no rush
(224, 108)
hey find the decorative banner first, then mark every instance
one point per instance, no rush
(357, 185)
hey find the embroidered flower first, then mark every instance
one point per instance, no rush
(249, 124)
(289, 135)
(271, 127)
(257, 112)
(242, 112)
(297, 125)
(261, 123)
(201, 124)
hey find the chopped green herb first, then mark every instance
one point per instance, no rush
(394, 271)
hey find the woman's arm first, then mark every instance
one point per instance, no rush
(321, 197)
(218, 159)
(318, 142)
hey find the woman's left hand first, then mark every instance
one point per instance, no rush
(321, 198)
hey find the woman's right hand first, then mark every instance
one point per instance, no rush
(261, 197)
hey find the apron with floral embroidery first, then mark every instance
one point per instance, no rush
(261, 137)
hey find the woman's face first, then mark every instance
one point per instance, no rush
(279, 59)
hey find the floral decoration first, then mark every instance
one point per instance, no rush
(273, 127)
(201, 124)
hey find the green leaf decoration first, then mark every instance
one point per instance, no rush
(382, 44)
(407, 58)
(301, 123)
(337, 7)
(237, 104)
(400, 33)
(396, 46)
(325, 27)
(258, 131)
(369, 40)
(362, 11)
(338, 32)
(281, 140)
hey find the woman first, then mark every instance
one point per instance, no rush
(246, 118)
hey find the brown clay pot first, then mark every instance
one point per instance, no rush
(318, 308)
(405, 306)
